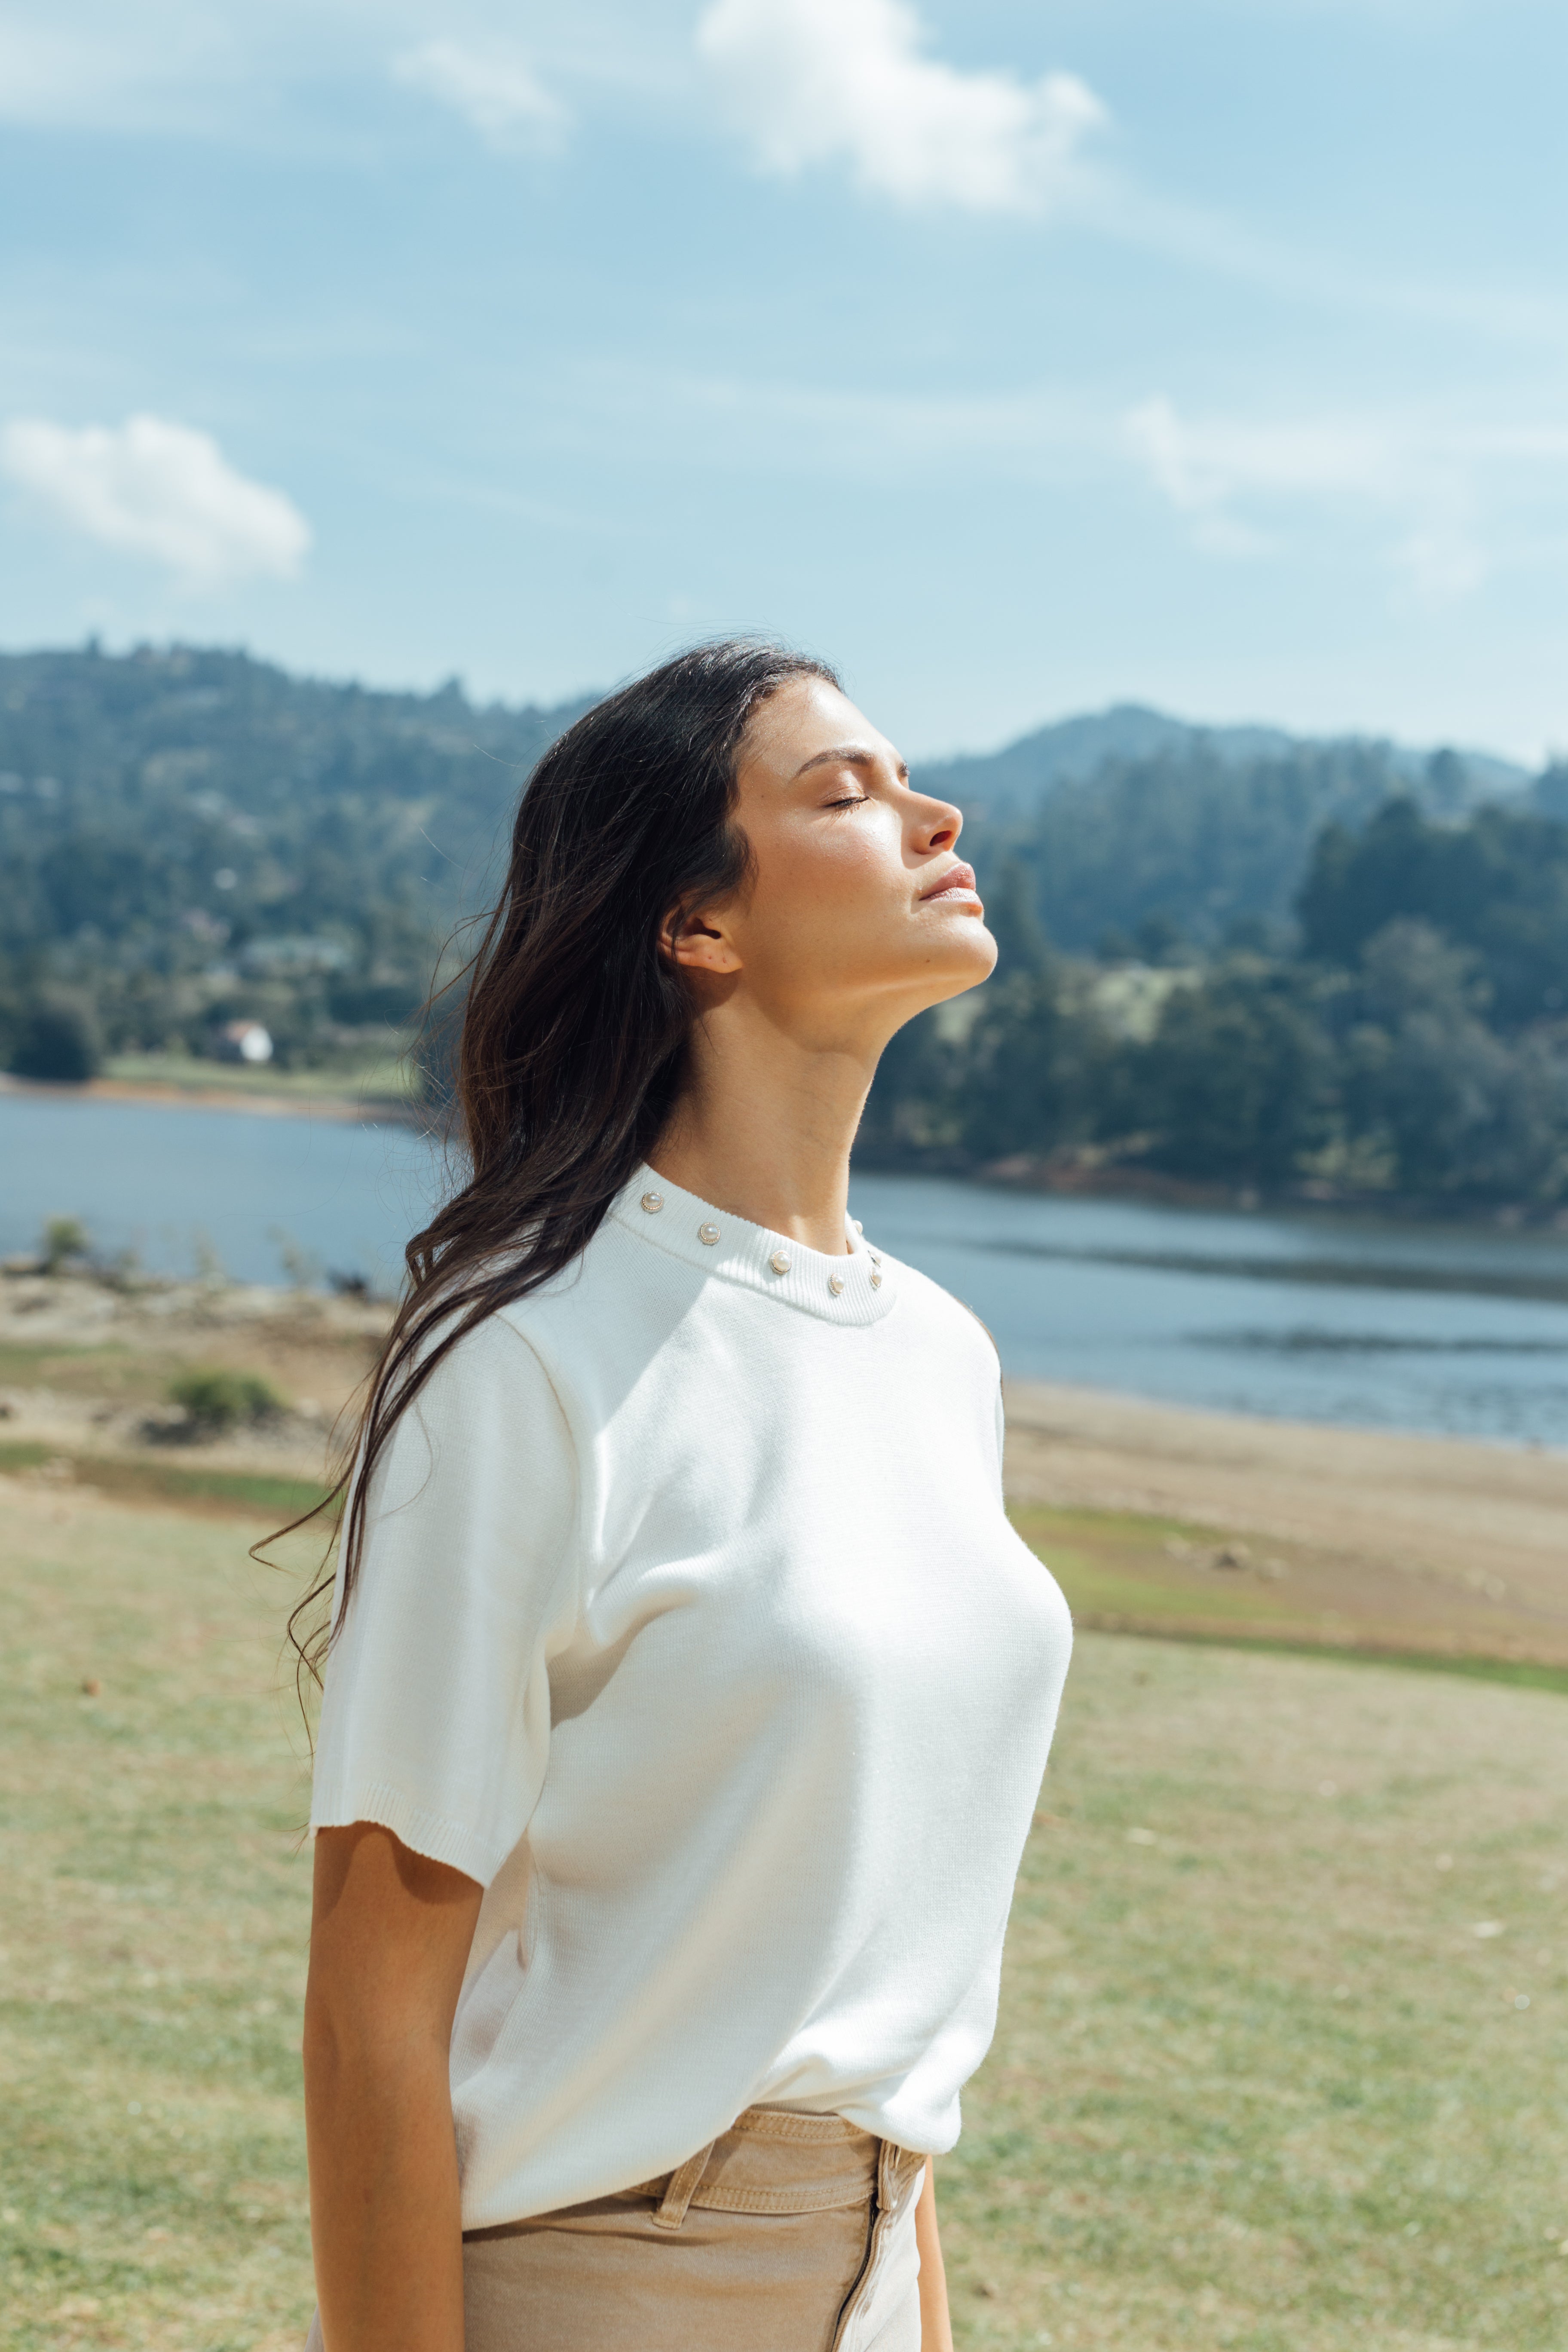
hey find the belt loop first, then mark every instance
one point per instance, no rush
(890, 2174)
(680, 2188)
(897, 2170)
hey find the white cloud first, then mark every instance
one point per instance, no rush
(1225, 473)
(84, 67)
(820, 82)
(1443, 492)
(1206, 470)
(491, 88)
(218, 68)
(154, 487)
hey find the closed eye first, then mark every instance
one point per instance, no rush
(861, 800)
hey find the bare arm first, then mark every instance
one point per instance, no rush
(389, 1942)
(936, 2326)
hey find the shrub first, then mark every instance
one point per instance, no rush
(217, 1400)
(65, 1242)
(55, 1041)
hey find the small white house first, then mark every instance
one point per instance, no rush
(244, 1041)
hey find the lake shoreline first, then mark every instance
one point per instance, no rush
(1158, 1519)
(345, 1110)
(1049, 1178)
(1349, 1322)
(1068, 1178)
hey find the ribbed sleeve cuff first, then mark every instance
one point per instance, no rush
(435, 1836)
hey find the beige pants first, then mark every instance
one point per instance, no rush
(791, 2233)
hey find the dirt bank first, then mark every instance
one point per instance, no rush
(1393, 1536)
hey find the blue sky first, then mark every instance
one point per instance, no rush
(1212, 352)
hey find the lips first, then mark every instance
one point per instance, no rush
(958, 882)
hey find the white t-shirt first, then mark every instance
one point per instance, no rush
(691, 1626)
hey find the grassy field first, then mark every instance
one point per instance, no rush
(155, 1932)
(375, 1077)
(1283, 2031)
(1285, 2020)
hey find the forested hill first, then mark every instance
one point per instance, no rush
(190, 837)
(1014, 780)
(128, 784)
(1136, 833)
(184, 832)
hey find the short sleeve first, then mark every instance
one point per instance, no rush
(436, 1711)
(1001, 1444)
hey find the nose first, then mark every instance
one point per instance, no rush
(937, 825)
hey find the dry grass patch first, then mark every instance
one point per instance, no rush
(1143, 1572)
(1389, 1541)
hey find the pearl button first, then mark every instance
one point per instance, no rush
(875, 1256)
(858, 1225)
(876, 1282)
(653, 1202)
(836, 1284)
(779, 1263)
(708, 1234)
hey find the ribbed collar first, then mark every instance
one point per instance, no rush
(728, 1247)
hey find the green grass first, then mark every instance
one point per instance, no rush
(1518, 1674)
(1115, 1564)
(375, 1077)
(119, 1375)
(132, 1479)
(1256, 2084)
(154, 1908)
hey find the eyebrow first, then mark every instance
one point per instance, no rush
(849, 755)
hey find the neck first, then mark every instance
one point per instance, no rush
(765, 1127)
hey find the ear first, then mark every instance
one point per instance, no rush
(696, 942)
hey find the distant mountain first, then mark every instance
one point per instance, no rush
(1012, 781)
(1134, 831)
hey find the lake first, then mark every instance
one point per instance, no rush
(1301, 1316)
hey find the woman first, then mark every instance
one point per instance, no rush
(687, 1691)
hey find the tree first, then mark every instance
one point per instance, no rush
(1024, 1081)
(1237, 1083)
(1011, 920)
(1457, 1109)
(1447, 782)
(1498, 884)
(1357, 882)
(1191, 838)
(910, 1108)
(1550, 795)
(55, 1041)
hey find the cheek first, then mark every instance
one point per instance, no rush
(829, 900)
(852, 868)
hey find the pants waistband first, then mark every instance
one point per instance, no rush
(772, 2162)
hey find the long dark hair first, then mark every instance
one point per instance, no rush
(575, 1026)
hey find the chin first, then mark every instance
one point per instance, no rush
(969, 956)
(978, 947)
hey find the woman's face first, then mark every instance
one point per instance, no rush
(858, 900)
